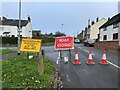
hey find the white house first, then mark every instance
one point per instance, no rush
(109, 30)
(9, 27)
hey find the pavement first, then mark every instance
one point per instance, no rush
(86, 76)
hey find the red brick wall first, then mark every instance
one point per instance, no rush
(109, 45)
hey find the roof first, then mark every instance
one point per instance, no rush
(13, 22)
(114, 19)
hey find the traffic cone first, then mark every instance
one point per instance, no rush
(76, 60)
(90, 61)
(104, 61)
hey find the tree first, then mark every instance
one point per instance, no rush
(58, 34)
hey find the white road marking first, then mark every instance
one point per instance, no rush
(68, 78)
(113, 64)
(107, 61)
(88, 52)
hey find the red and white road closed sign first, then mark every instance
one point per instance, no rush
(64, 43)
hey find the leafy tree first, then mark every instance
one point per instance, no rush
(58, 34)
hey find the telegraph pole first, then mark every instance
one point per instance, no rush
(19, 28)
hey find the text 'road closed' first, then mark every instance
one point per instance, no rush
(64, 43)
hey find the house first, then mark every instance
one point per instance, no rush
(93, 29)
(109, 30)
(9, 27)
(36, 33)
(81, 36)
(108, 37)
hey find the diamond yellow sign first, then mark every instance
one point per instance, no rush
(30, 45)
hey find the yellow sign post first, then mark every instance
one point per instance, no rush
(30, 45)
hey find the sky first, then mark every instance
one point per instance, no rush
(68, 17)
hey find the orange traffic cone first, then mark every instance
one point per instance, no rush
(76, 60)
(104, 61)
(90, 61)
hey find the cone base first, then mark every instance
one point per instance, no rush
(90, 63)
(76, 63)
(104, 63)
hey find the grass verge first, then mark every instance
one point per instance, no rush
(19, 72)
(48, 44)
(6, 51)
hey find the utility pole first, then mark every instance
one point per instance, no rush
(19, 28)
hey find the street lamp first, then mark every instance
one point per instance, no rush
(19, 27)
(62, 28)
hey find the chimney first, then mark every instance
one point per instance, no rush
(108, 18)
(89, 23)
(92, 22)
(2, 18)
(29, 19)
(97, 19)
(85, 28)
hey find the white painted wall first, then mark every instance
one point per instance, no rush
(14, 30)
(109, 32)
(94, 30)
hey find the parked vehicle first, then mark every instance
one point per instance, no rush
(77, 41)
(89, 42)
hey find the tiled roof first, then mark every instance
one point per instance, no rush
(13, 22)
(114, 19)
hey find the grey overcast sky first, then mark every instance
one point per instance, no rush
(48, 16)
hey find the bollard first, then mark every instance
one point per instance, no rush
(41, 64)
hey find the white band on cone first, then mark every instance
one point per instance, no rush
(104, 56)
(90, 56)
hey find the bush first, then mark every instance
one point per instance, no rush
(9, 40)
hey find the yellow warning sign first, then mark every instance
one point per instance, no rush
(30, 45)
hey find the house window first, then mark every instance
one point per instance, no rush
(116, 25)
(105, 29)
(13, 35)
(105, 37)
(115, 36)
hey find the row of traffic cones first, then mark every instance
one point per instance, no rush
(90, 60)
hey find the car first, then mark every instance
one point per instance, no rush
(89, 42)
(77, 41)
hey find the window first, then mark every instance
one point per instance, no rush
(116, 25)
(13, 35)
(115, 36)
(105, 37)
(105, 29)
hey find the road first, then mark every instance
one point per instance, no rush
(86, 76)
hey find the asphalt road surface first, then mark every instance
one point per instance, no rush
(86, 76)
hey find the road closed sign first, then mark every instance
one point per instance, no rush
(30, 45)
(64, 43)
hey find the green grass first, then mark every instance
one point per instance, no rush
(19, 72)
(6, 51)
(48, 44)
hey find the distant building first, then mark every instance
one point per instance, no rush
(9, 27)
(109, 30)
(81, 36)
(36, 33)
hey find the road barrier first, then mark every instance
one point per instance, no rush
(104, 61)
(76, 60)
(90, 61)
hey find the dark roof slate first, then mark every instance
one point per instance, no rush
(13, 22)
(113, 20)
